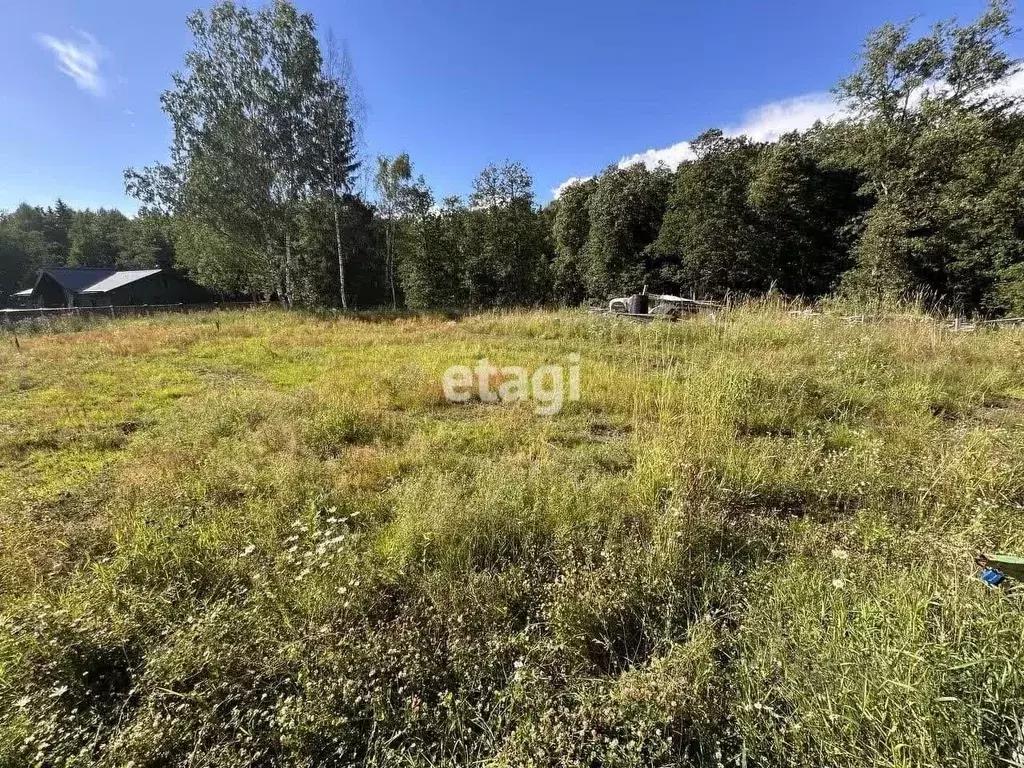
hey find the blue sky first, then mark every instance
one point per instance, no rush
(565, 87)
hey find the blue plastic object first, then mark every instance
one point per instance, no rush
(992, 577)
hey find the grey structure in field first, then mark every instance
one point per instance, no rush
(93, 287)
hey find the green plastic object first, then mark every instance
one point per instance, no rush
(1011, 565)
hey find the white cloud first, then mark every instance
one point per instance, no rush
(671, 156)
(557, 191)
(765, 123)
(1011, 86)
(78, 58)
(769, 122)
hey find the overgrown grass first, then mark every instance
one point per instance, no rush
(263, 538)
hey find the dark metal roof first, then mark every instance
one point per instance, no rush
(119, 279)
(77, 279)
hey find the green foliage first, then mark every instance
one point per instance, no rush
(805, 214)
(917, 191)
(147, 242)
(260, 131)
(939, 149)
(709, 239)
(625, 211)
(570, 230)
(1009, 290)
(24, 248)
(95, 238)
(217, 261)
(745, 218)
(404, 202)
(346, 223)
(432, 271)
(507, 259)
(495, 252)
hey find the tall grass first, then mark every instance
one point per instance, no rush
(265, 538)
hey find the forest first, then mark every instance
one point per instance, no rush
(914, 189)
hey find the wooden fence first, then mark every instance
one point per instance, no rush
(956, 324)
(14, 316)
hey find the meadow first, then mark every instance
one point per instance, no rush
(266, 538)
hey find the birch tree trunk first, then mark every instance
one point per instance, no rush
(288, 286)
(341, 259)
(275, 262)
(391, 262)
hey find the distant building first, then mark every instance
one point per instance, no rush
(89, 287)
(21, 299)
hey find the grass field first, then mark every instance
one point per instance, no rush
(263, 538)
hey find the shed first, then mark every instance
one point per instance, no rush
(59, 287)
(22, 299)
(104, 287)
(143, 286)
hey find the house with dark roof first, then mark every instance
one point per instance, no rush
(99, 287)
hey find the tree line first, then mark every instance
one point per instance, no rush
(913, 189)
(33, 238)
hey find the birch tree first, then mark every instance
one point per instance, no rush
(259, 131)
(399, 199)
(337, 134)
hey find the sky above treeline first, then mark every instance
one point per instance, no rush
(567, 88)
